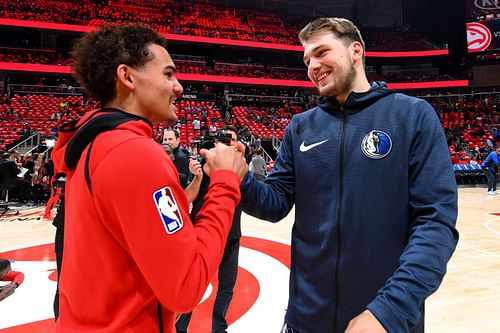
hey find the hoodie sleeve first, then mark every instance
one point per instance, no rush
(273, 199)
(433, 237)
(487, 161)
(147, 211)
(14, 277)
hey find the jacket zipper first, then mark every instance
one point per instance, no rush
(339, 214)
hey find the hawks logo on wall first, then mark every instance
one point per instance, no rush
(478, 37)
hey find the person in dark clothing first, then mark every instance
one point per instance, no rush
(369, 173)
(8, 177)
(490, 166)
(228, 268)
(181, 158)
(58, 247)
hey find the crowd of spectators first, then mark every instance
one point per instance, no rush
(471, 122)
(201, 66)
(197, 19)
(22, 116)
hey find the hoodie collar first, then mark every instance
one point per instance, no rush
(355, 102)
(75, 136)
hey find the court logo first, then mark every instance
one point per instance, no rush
(376, 144)
(478, 37)
(168, 209)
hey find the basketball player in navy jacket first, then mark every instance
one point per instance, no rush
(369, 173)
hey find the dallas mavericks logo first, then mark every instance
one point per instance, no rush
(169, 211)
(376, 144)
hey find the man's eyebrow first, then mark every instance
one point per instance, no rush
(170, 67)
(314, 51)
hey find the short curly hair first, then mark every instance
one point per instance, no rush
(98, 54)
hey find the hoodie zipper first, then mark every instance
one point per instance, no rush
(339, 214)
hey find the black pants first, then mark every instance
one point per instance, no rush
(228, 271)
(58, 247)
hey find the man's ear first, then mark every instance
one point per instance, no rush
(124, 76)
(358, 51)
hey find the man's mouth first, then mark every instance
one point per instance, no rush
(322, 76)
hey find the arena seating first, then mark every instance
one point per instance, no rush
(198, 19)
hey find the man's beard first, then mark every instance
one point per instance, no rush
(341, 85)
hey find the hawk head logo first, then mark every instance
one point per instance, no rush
(376, 144)
(478, 37)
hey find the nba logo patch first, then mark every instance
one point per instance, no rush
(169, 211)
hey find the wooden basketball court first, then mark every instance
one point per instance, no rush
(467, 302)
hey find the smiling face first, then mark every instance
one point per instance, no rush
(171, 139)
(156, 87)
(329, 64)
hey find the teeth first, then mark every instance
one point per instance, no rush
(322, 76)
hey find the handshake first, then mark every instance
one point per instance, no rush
(223, 156)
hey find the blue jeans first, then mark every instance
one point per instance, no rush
(492, 179)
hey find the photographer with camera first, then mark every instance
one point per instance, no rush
(195, 167)
(228, 268)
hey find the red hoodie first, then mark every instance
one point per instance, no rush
(129, 244)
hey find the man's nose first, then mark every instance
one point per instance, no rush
(314, 64)
(178, 90)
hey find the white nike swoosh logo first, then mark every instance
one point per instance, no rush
(303, 148)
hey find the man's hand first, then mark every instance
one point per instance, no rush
(225, 157)
(365, 323)
(195, 168)
(7, 290)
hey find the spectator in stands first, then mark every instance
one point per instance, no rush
(489, 142)
(123, 195)
(490, 166)
(228, 268)
(7, 274)
(181, 158)
(497, 135)
(41, 185)
(13, 155)
(258, 165)
(196, 124)
(375, 196)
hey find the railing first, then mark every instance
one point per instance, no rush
(276, 143)
(266, 156)
(54, 90)
(261, 98)
(28, 144)
(496, 93)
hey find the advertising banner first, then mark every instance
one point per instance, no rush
(481, 7)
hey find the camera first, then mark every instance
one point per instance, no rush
(224, 137)
(209, 143)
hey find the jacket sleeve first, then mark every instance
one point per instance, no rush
(487, 161)
(433, 237)
(273, 199)
(15, 277)
(176, 263)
